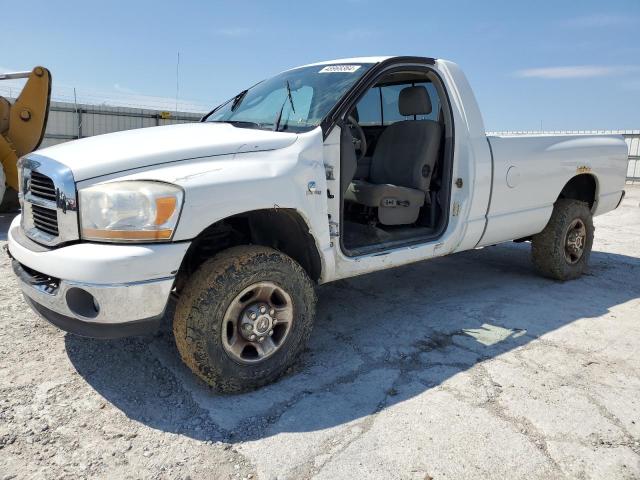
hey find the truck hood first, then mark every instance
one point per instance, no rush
(116, 152)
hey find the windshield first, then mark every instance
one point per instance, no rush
(296, 100)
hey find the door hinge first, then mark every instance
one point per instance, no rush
(456, 209)
(328, 172)
(334, 229)
(459, 183)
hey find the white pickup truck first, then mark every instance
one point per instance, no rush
(322, 172)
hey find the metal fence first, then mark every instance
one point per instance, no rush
(68, 121)
(633, 170)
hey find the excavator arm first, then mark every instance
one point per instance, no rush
(22, 124)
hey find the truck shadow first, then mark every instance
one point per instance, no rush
(5, 221)
(378, 340)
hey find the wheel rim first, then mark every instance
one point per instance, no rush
(257, 323)
(575, 241)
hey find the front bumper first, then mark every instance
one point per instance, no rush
(115, 290)
(93, 329)
(103, 311)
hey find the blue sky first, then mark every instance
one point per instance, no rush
(562, 65)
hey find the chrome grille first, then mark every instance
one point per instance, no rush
(42, 186)
(48, 195)
(45, 219)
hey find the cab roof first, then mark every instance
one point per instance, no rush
(350, 60)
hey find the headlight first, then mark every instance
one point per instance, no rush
(130, 211)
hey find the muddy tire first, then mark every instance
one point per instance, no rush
(562, 250)
(244, 317)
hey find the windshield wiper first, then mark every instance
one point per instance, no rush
(276, 126)
(239, 123)
(290, 97)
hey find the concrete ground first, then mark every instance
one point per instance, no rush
(469, 366)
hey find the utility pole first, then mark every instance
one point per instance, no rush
(177, 82)
(78, 114)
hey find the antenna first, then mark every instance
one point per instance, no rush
(75, 104)
(177, 82)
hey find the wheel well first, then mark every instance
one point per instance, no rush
(282, 229)
(581, 187)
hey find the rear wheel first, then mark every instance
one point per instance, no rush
(562, 250)
(244, 317)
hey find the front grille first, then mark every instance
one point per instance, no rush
(45, 219)
(49, 205)
(49, 284)
(42, 186)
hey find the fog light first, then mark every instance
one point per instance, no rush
(82, 303)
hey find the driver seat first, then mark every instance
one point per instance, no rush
(402, 163)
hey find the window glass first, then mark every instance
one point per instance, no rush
(314, 91)
(390, 111)
(260, 110)
(369, 108)
(390, 108)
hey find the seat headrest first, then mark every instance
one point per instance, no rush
(414, 101)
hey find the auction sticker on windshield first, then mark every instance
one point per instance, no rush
(340, 69)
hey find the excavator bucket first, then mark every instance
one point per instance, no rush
(22, 124)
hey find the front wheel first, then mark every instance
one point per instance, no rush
(561, 251)
(244, 317)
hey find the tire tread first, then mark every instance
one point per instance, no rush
(195, 331)
(547, 247)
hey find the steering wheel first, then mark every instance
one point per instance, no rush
(359, 139)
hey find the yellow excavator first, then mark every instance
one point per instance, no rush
(22, 126)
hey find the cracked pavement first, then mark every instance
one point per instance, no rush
(469, 366)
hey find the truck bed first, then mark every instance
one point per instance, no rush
(529, 170)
